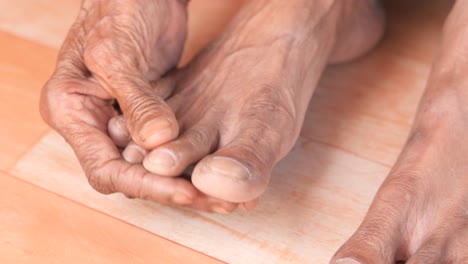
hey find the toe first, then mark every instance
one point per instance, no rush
(173, 158)
(239, 171)
(229, 178)
(447, 244)
(379, 237)
(429, 253)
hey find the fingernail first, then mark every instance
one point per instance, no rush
(347, 261)
(156, 131)
(228, 167)
(182, 199)
(121, 125)
(134, 154)
(159, 161)
(219, 209)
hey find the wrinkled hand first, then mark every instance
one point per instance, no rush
(118, 50)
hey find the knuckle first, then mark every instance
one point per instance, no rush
(133, 186)
(141, 106)
(52, 95)
(101, 55)
(115, 55)
(99, 182)
(99, 175)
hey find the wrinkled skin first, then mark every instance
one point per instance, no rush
(116, 51)
(419, 215)
(220, 112)
(235, 99)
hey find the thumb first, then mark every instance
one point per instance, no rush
(150, 121)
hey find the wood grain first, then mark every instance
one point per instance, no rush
(37, 226)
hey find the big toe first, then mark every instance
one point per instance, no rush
(233, 178)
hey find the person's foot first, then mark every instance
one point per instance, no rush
(240, 105)
(420, 213)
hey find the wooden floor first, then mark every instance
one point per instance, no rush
(357, 123)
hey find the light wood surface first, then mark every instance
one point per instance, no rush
(37, 226)
(356, 125)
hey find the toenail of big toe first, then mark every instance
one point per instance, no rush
(347, 261)
(228, 167)
(160, 159)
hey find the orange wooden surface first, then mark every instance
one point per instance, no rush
(356, 124)
(24, 67)
(37, 226)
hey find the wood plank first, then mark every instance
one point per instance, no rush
(43, 21)
(37, 226)
(24, 68)
(52, 19)
(316, 199)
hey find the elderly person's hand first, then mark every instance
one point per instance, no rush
(117, 51)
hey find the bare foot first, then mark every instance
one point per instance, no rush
(241, 103)
(420, 213)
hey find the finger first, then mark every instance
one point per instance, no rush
(118, 68)
(173, 158)
(107, 172)
(447, 243)
(431, 252)
(117, 129)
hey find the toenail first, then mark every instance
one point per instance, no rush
(228, 167)
(156, 130)
(347, 261)
(162, 158)
(133, 154)
(219, 209)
